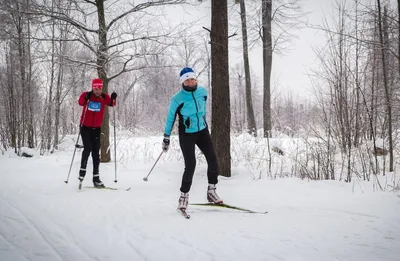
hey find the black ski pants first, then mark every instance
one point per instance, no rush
(202, 139)
(91, 144)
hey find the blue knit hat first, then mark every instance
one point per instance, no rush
(187, 73)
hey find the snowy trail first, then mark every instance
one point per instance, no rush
(44, 219)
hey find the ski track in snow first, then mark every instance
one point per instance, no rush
(23, 219)
(53, 234)
(44, 219)
(13, 248)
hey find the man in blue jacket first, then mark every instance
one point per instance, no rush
(190, 106)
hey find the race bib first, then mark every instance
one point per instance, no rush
(94, 106)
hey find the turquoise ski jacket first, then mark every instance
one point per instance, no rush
(190, 106)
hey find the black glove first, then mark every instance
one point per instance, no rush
(165, 144)
(113, 96)
(88, 95)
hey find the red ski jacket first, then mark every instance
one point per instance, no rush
(93, 109)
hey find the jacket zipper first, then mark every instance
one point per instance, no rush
(197, 111)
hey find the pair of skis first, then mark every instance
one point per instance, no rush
(183, 211)
(93, 187)
(227, 206)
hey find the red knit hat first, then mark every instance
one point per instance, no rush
(97, 83)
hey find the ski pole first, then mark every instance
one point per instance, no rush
(146, 178)
(115, 151)
(73, 156)
(76, 146)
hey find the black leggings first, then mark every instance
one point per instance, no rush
(91, 144)
(187, 142)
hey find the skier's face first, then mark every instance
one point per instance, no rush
(97, 91)
(190, 82)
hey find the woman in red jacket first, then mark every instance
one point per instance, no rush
(93, 103)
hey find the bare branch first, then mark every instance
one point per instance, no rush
(89, 2)
(62, 17)
(207, 29)
(144, 6)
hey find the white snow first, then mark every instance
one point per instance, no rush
(44, 219)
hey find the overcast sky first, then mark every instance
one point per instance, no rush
(289, 70)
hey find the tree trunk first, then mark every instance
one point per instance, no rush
(28, 63)
(251, 121)
(221, 116)
(57, 98)
(267, 63)
(102, 73)
(49, 117)
(383, 47)
(12, 109)
(398, 35)
(357, 128)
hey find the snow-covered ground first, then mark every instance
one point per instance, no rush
(44, 219)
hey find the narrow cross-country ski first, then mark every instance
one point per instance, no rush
(93, 187)
(103, 188)
(223, 205)
(183, 213)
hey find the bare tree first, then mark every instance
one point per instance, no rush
(16, 34)
(286, 16)
(388, 93)
(398, 35)
(109, 44)
(353, 68)
(251, 121)
(267, 63)
(221, 116)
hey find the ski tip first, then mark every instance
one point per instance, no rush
(184, 213)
